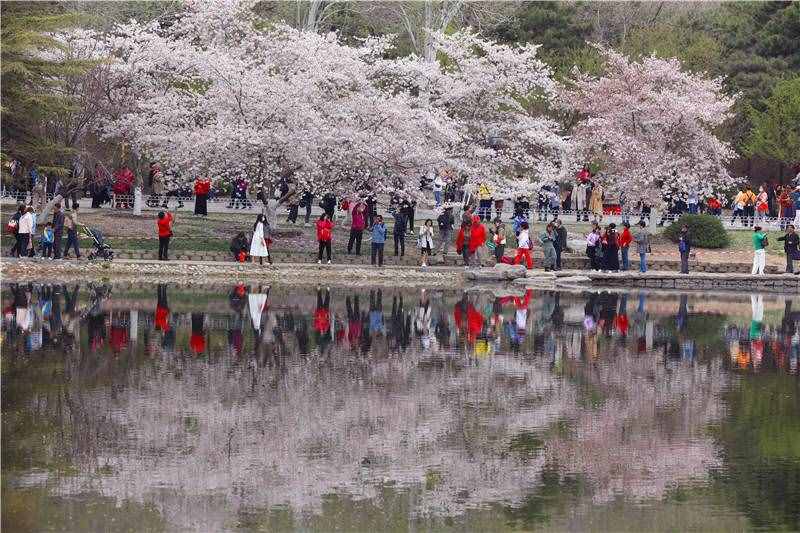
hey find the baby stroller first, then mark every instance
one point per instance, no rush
(99, 246)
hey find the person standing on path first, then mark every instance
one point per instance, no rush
(738, 207)
(596, 202)
(463, 240)
(202, 186)
(324, 237)
(438, 187)
(71, 225)
(790, 245)
(58, 230)
(499, 237)
(425, 241)
(642, 239)
(592, 246)
(485, 201)
(625, 240)
(258, 245)
(579, 192)
(611, 248)
(164, 227)
(760, 243)
(307, 202)
(762, 204)
(684, 247)
(357, 225)
(24, 231)
(445, 222)
(13, 228)
(547, 240)
(378, 240)
(524, 247)
(47, 240)
(561, 241)
(399, 231)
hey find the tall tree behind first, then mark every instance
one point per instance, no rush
(33, 78)
(761, 46)
(776, 131)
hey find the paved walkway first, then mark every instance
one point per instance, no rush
(220, 205)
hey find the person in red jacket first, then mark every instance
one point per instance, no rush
(202, 186)
(324, 237)
(123, 187)
(624, 240)
(470, 238)
(164, 227)
(714, 206)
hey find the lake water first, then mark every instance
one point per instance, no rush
(212, 408)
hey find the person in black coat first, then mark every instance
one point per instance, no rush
(560, 242)
(684, 247)
(58, 230)
(790, 246)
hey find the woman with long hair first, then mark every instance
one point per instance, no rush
(259, 246)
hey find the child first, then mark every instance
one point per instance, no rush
(47, 240)
(524, 247)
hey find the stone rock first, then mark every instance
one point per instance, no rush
(540, 274)
(574, 280)
(499, 272)
(535, 282)
(577, 246)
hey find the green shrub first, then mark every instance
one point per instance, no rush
(706, 231)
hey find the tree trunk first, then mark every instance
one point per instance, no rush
(428, 29)
(42, 217)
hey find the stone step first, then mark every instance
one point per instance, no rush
(568, 262)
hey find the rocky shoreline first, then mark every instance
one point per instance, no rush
(214, 272)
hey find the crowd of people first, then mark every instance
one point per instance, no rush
(51, 244)
(478, 231)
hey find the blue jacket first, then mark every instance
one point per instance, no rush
(378, 233)
(796, 199)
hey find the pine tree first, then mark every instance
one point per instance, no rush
(32, 84)
(776, 130)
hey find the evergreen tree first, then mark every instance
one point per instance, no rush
(33, 77)
(761, 46)
(776, 130)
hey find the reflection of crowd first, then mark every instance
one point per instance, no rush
(387, 322)
(761, 346)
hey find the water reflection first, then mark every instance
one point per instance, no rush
(260, 399)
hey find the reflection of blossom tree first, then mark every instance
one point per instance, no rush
(201, 439)
(649, 434)
(318, 431)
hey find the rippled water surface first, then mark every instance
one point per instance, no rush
(146, 408)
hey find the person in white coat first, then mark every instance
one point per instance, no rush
(25, 228)
(258, 246)
(580, 191)
(425, 241)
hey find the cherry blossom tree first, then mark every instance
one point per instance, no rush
(220, 94)
(651, 127)
(496, 95)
